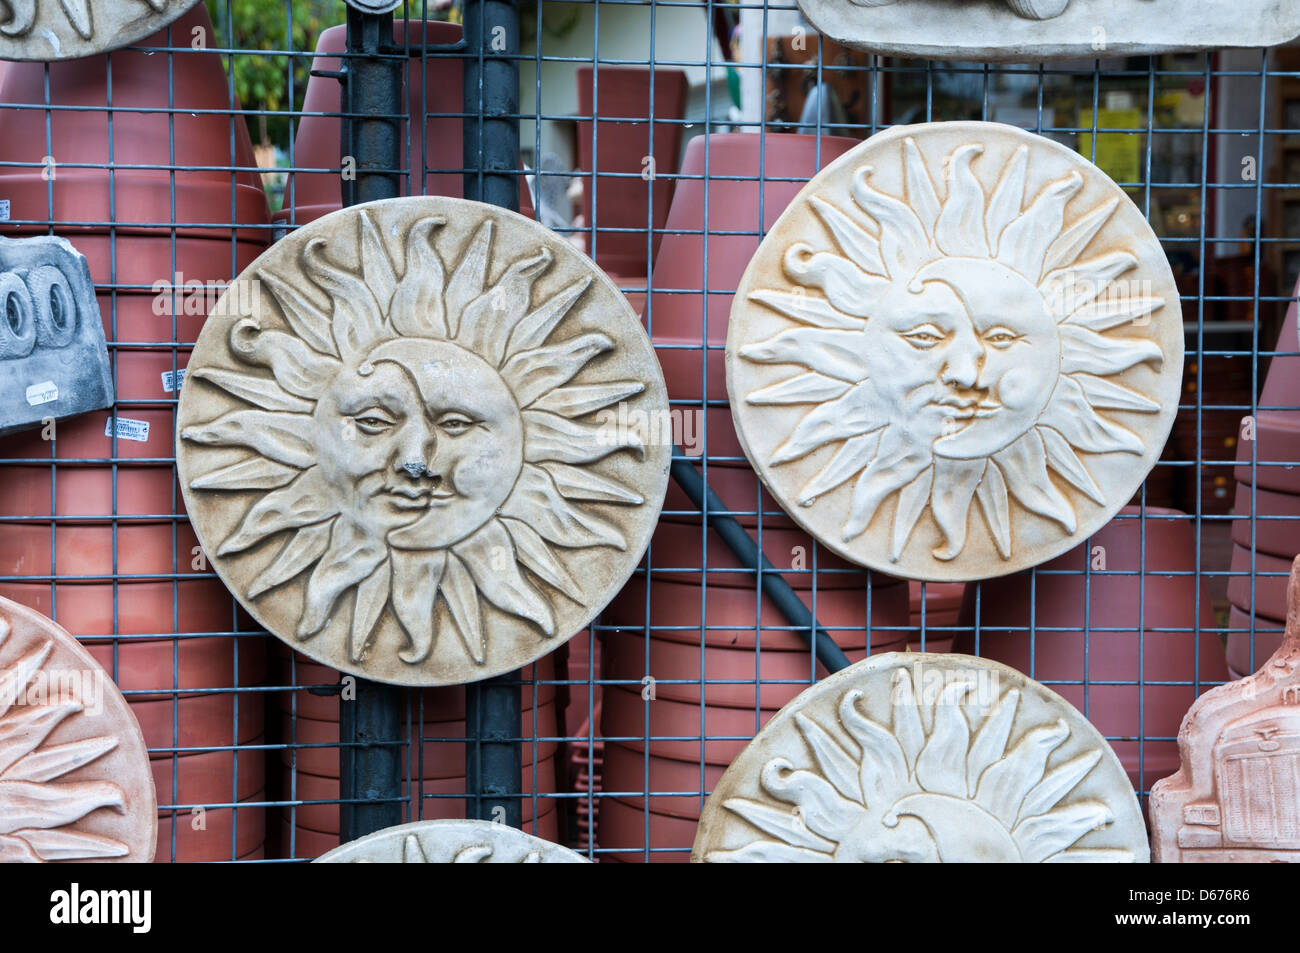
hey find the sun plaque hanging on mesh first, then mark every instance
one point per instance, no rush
(957, 353)
(924, 759)
(75, 778)
(70, 29)
(451, 842)
(422, 440)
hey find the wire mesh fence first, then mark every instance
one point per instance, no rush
(663, 139)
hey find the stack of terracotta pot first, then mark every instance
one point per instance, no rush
(89, 516)
(1118, 626)
(310, 756)
(1219, 385)
(696, 652)
(625, 200)
(933, 611)
(1266, 532)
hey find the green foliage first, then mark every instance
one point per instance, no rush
(262, 78)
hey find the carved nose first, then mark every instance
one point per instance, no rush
(416, 470)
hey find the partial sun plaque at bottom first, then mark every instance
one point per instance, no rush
(949, 758)
(417, 440)
(451, 842)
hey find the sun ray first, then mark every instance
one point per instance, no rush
(487, 321)
(789, 827)
(921, 194)
(807, 310)
(536, 557)
(301, 503)
(278, 437)
(941, 765)
(896, 464)
(1024, 464)
(79, 16)
(990, 740)
(954, 490)
(1024, 242)
(1003, 787)
(255, 473)
(351, 557)
(54, 761)
(1070, 244)
(551, 438)
(417, 302)
(357, 324)
(1048, 834)
(463, 604)
(807, 388)
(904, 244)
(1111, 311)
(380, 276)
(912, 501)
(846, 286)
(1075, 287)
(296, 366)
(582, 399)
(536, 326)
(469, 279)
(1111, 396)
(837, 764)
(417, 579)
(307, 319)
(22, 17)
(537, 501)
(1070, 413)
(574, 483)
(960, 226)
(1092, 353)
(994, 504)
(1061, 458)
(489, 555)
(372, 595)
(848, 416)
(259, 391)
(1057, 783)
(18, 675)
(533, 374)
(884, 770)
(302, 550)
(863, 249)
(1008, 197)
(832, 353)
(825, 812)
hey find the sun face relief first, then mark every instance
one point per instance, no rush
(69, 29)
(397, 456)
(952, 319)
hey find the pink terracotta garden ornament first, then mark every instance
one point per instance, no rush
(1234, 798)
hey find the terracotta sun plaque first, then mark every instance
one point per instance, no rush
(1236, 796)
(946, 758)
(419, 440)
(75, 782)
(957, 353)
(451, 842)
(71, 29)
(1032, 30)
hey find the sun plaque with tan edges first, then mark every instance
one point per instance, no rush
(48, 30)
(418, 440)
(957, 353)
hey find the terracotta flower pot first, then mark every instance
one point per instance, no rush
(226, 833)
(69, 549)
(164, 105)
(942, 601)
(614, 146)
(1269, 575)
(435, 143)
(627, 769)
(1276, 521)
(1277, 452)
(1121, 608)
(159, 668)
(200, 721)
(209, 778)
(129, 608)
(674, 727)
(1268, 636)
(735, 617)
(627, 827)
(87, 492)
(443, 749)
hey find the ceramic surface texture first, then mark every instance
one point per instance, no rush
(1235, 795)
(957, 353)
(71, 29)
(75, 779)
(451, 842)
(418, 440)
(941, 758)
(1032, 30)
(53, 356)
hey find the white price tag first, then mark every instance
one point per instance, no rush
(173, 380)
(127, 429)
(45, 392)
(4, 210)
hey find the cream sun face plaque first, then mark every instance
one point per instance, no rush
(409, 440)
(941, 758)
(451, 842)
(1031, 30)
(71, 29)
(75, 781)
(957, 353)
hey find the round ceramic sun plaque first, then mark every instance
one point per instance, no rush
(422, 440)
(75, 782)
(451, 842)
(957, 353)
(938, 758)
(70, 29)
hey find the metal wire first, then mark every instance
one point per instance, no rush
(1198, 117)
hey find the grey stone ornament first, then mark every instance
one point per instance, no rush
(1031, 30)
(47, 30)
(53, 357)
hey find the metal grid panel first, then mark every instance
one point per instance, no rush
(1190, 160)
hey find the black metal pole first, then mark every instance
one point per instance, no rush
(370, 723)
(746, 550)
(494, 770)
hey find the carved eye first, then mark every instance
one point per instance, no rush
(372, 421)
(1001, 338)
(924, 337)
(454, 424)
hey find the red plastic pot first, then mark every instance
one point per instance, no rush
(1269, 575)
(1268, 636)
(616, 144)
(627, 826)
(309, 195)
(171, 108)
(1110, 600)
(737, 617)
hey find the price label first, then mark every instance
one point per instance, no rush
(45, 392)
(127, 429)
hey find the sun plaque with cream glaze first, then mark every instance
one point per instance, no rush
(451, 842)
(924, 759)
(957, 353)
(417, 440)
(70, 29)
